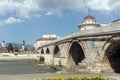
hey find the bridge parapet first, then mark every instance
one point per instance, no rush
(111, 28)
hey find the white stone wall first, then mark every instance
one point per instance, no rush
(48, 59)
(56, 61)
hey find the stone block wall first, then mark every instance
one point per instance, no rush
(48, 59)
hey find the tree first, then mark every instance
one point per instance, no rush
(3, 41)
(26, 49)
(16, 49)
(10, 47)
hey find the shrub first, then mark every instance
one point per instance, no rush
(41, 59)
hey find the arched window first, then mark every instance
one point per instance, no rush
(91, 21)
(42, 51)
(47, 51)
(57, 51)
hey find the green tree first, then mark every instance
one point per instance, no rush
(16, 49)
(26, 49)
(10, 47)
(3, 41)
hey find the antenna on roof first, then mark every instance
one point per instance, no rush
(86, 6)
(118, 13)
(88, 11)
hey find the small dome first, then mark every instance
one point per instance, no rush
(89, 17)
(89, 22)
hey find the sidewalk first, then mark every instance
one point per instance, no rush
(11, 56)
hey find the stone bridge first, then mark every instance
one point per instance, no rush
(95, 49)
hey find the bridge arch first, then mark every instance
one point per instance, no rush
(56, 51)
(112, 54)
(76, 52)
(42, 51)
(47, 51)
(109, 40)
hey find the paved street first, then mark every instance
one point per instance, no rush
(26, 69)
(14, 67)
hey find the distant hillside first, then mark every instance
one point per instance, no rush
(20, 45)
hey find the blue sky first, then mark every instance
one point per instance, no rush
(30, 19)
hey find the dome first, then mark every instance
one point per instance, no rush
(89, 17)
(88, 22)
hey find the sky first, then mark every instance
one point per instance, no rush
(29, 20)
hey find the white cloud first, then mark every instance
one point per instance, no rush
(22, 9)
(27, 9)
(10, 20)
(104, 5)
(56, 7)
(30, 8)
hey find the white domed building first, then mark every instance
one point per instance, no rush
(89, 22)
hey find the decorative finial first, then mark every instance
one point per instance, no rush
(118, 12)
(88, 11)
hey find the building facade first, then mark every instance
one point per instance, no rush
(43, 40)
